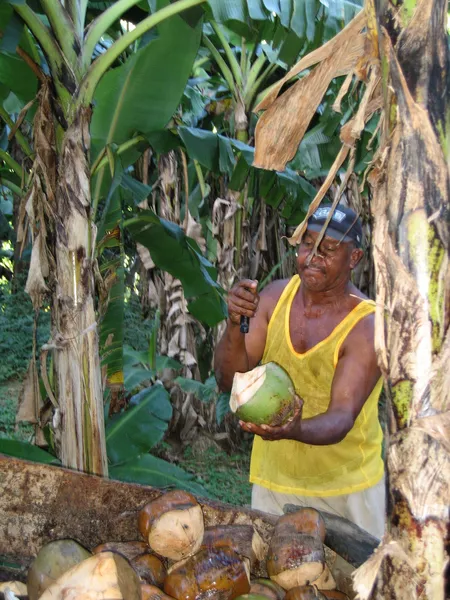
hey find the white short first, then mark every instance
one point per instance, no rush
(367, 509)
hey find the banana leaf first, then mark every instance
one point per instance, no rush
(173, 251)
(142, 94)
(26, 451)
(150, 470)
(141, 426)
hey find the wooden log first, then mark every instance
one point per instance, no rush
(40, 503)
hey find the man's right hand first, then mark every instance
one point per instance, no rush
(243, 299)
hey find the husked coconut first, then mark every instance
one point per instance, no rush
(149, 568)
(52, 561)
(326, 580)
(305, 592)
(252, 596)
(16, 587)
(127, 549)
(218, 574)
(173, 525)
(103, 576)
(242, 539)
(151, 592)
(264, 396)
(268, 588)
(334, 595)
(294, 558)
(305, 520)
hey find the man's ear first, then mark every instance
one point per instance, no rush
(355, 257)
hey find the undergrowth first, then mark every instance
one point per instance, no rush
(224, 475)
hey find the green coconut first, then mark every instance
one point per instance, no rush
(264, 396)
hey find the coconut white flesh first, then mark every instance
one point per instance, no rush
(16, 587)
(245, 386)
(104, 576)
(326, 580)
(177, 533)
(302, 575)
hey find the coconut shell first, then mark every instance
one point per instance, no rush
(150, 569)
(52, 561)
(305, 592)
(217, 574)
(242, 539)
(103, 576)
(151, 592)
(129, 550)
(268, 588)
(304, 520)
(295, 559)
(173, 525)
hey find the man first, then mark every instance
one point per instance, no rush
(320, 328)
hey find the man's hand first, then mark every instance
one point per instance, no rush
(289, 431)
(243, 300)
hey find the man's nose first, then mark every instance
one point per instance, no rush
(314, 258)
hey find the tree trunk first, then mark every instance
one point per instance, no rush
(81, 432)
(411, 251)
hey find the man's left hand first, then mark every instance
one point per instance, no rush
(289, 431)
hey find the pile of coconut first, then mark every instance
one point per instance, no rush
(179, 559)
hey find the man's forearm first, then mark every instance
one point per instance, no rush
(325, 429)
(230, 356)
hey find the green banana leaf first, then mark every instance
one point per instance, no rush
(26, 451)
(140, 426)
(142, 94)
(150, 470)
(205, 392)
(111, 245)
(222, 407)
(180, 256)
(211, 150)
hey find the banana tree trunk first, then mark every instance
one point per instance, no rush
(81, 431)
(411, 251)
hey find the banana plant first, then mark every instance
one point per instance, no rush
(58, 50)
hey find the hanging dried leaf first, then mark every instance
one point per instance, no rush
(281, 128)
(326, 51)
(38, 270)
(30, 401)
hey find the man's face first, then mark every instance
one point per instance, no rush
(330, 266)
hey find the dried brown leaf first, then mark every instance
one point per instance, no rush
(298, 233)
(365, 576)
(281, 128)
(326, 51)
(35, 285)
(30, 401)
(342, 92)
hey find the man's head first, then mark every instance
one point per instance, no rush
(344, 225)
(338, 253)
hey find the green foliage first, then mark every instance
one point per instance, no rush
(26, 451)
(150, 470)
(180, 255)
(141, 426)
(16, 332)
(207, 392)
(225, 476)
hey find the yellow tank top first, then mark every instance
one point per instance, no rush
(293, 467)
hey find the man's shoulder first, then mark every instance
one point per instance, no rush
(271, 294)
(273, 290)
